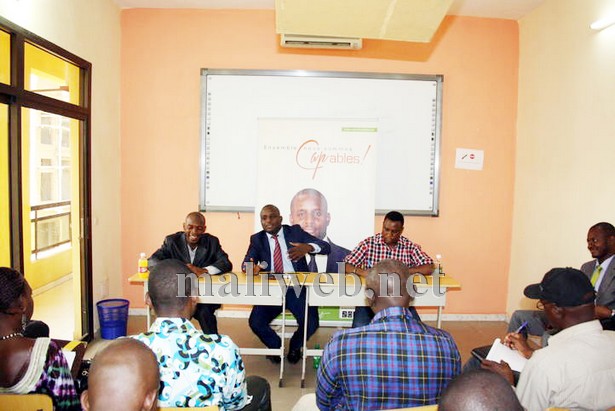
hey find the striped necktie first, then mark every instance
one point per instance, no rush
(278, 264)
(596, 275)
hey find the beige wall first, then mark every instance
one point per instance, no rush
(162, 54)
(91, 30)
(565, 139)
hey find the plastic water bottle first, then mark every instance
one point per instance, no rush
(143, 268)
(316, 360)
(439, 262)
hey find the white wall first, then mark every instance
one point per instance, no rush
(91, 30)
(565, 140)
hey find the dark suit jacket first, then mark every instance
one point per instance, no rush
(208, 252)
(606, 292)
(259, 246)
(337, 254)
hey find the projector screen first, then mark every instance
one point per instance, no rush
(405, 108)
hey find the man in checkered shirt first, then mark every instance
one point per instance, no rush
(388, 244)
(395, 361)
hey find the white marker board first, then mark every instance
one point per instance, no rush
(407, 107)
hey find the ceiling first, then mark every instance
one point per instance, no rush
(503, 9)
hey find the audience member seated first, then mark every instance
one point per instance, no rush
(479, 390)
(393, 362)
(29, 365)
(600, 271)
(123, 376)
(577, 369)
(196, 369)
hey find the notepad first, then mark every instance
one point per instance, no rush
(500, 352)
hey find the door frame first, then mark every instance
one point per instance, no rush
(17, 97)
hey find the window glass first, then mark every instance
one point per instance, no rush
(5, 234)
(50, 76)
(5, 57)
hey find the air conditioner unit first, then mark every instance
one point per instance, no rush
(320, 42)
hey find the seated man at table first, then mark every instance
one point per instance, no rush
(123, 376)
(393, 362)
(196, 369)
(388, 244)
(202, 254)
(283, 248)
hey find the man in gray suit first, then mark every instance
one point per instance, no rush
(601, 272)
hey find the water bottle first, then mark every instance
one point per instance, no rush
(143, 269)
(316, 360)
(439, 262)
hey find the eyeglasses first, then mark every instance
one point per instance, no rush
(541, 305)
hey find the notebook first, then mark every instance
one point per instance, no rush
(500, 352)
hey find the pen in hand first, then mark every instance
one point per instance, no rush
(521, 327)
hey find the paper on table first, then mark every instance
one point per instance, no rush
(70, 357)
(500, 352)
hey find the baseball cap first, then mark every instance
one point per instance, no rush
(566, 287)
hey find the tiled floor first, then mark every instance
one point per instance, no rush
(55, 308)
(467, 334)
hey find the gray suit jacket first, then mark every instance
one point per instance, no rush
(606, 292)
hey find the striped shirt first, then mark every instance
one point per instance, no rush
(372, 250)
(393, 362)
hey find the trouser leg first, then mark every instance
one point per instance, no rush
(296, 305)
(362, 316)
(260, 317)
(205, 314)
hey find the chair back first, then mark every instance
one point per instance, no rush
(26, 402)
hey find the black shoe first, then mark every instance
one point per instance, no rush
(274, 358)
(294, 356)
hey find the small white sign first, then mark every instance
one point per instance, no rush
(469, 159)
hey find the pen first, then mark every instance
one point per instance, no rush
(521, 327)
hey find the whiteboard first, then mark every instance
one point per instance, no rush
(408, 109)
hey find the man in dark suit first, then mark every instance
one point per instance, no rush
(203, 254)
(309, 209)
(601, 245)
(282, 248)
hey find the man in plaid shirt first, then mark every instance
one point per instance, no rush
(395, 361)
(388, 244)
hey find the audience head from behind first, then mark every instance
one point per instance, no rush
(172, 290)
(123, 376)
(389, 284)
(479, 390)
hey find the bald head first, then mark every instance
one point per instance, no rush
(123, 376)
(479, 390)
(388, 285)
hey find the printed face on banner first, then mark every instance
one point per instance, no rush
(320, 173)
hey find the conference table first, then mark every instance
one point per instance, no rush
(322, 290)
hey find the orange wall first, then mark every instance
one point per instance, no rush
(162, 54)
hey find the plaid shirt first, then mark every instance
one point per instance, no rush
(373, 249)
(393, 362)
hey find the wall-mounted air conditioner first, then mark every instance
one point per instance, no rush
(320, 42)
